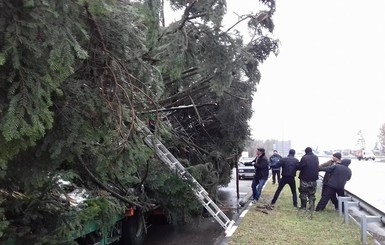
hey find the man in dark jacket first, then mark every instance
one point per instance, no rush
(261, 165)
(308, 176)
(340, 174)
(275, 166)
(289, 169)
(336, 158)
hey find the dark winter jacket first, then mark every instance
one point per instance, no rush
(308, 167)
(340, 174)
(289, 166)
(261, 165)
(274, 161)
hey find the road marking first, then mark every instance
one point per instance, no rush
(243, 213)
(231, 232)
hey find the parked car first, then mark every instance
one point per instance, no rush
(367, 155)
(364, 155)
(246, 169)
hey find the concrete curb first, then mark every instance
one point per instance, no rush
(245, 205)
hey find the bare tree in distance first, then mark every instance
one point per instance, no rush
(381, 137)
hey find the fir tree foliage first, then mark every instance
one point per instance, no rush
(75, 76)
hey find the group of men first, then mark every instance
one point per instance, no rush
(337, 173)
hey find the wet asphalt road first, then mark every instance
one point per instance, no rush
(204, 231)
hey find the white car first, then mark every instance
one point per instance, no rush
(367, 155)
(246, 169)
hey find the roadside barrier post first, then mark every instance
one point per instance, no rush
(364, 225)
(346, 209)
(341, 201)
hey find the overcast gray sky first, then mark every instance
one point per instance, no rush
(327, 83)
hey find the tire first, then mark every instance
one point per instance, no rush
(89, 239)
(133, 229)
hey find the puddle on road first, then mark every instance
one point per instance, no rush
(203, 231)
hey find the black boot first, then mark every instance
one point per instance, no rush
(311, 205)
(303, 204)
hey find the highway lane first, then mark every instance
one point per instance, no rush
(367, 182)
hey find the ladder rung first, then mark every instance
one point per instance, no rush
(227, 222)
(169, 159)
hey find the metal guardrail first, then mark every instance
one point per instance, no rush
(363, 205)
(371, 213)
(368, 208)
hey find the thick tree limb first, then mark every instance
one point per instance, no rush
(241, 98)
(185, 74)
(196, 87)
(178, 108)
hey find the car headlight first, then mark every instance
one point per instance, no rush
(240, 170)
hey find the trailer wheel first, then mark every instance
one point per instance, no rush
(133, 230)
(89, 239)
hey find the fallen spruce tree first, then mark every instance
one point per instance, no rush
(77, 76)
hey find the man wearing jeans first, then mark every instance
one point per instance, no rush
(261, 165)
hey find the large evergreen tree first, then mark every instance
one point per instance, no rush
(75, 76)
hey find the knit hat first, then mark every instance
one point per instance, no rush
(292, 152)
(337, 155)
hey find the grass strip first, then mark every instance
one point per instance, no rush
(284, 224)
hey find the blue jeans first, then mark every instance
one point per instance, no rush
(256, 187)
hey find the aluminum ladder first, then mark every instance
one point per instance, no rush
(173, 164)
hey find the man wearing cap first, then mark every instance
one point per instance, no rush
(340, 174)
(308, 176)
(336, 159)
(261, 165)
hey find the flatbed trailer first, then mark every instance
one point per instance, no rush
(127, 229)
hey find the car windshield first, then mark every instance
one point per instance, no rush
(246, 161)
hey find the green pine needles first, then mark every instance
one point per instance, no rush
(75, 76)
